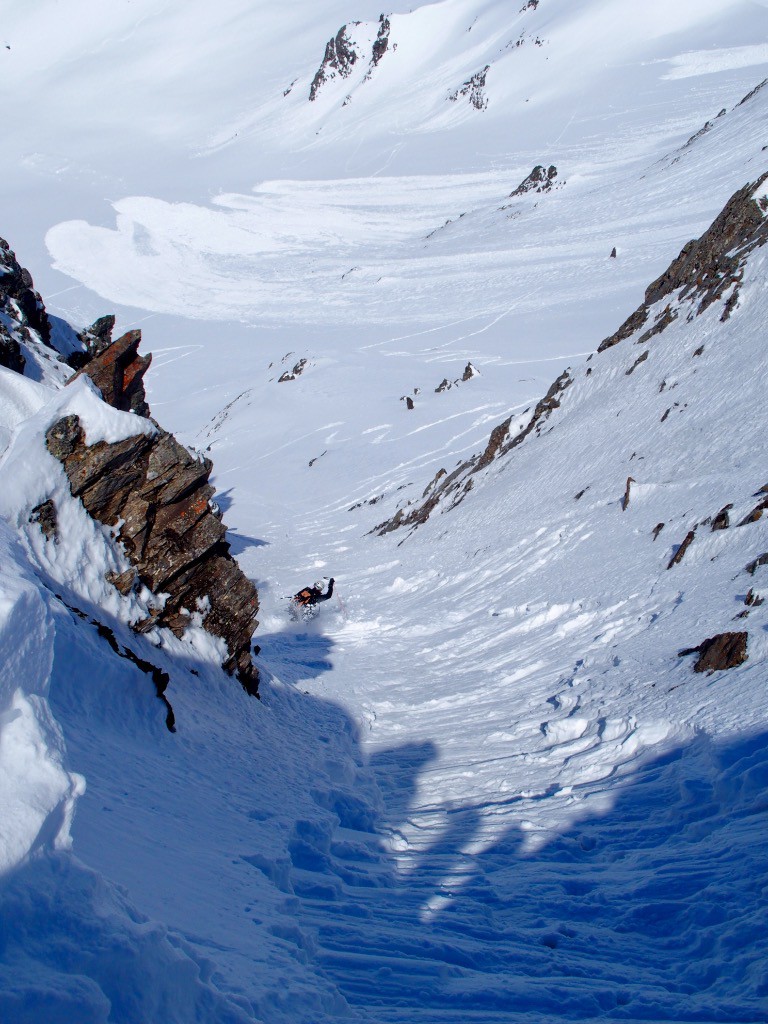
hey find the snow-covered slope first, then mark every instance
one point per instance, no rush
(481, 784)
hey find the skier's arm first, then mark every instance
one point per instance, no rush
(329, 595)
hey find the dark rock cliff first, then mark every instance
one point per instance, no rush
(158, 496)
(18, 298)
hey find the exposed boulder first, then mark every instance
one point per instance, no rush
(722, 520)
(157, 497)
(118, 372)
(726, 650)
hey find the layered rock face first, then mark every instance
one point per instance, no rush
(160, 496)
(118, 372)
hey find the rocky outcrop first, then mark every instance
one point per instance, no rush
(97, 338)
(724, 651)
(474, 89)
(18, 297)
(340, 58)
(707, 269)
(539, 180)
(381, 43)
(156, 496)
(118, 372)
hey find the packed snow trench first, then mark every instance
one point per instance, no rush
(482, 783)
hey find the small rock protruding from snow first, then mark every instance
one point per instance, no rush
(297, 371)
(474, 89)
(46, 518)
(539, 180)
(625, 500)
(678, 556)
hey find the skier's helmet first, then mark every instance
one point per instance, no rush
(319, 585)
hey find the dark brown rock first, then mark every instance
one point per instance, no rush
(722, 520)
(459, 482)
(118, 372)
(677, 558)
(640, 359)
(724, 651)
(294, 373)
(381, 43)
(755, 514)
(160, 495)
(625, 500)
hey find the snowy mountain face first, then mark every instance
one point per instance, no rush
(464, 305)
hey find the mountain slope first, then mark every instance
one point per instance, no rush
(484, 782)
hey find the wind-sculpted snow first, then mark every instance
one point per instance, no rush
(37, 793)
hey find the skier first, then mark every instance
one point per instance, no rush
(305, 602)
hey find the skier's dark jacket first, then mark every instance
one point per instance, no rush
(313, 595)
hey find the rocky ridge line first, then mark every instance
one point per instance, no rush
(702, 274)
